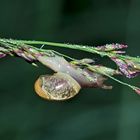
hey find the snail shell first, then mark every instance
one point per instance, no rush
(59, 86)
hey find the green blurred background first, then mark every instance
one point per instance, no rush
(94, 114)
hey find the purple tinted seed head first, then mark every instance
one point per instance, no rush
(2, 55)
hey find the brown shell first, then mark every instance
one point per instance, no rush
(59, 86)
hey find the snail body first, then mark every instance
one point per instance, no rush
(68, 80)
(59, 86)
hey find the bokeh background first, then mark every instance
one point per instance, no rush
(94, 114)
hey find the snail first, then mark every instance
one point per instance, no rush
(59, 86)
(68, 79)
